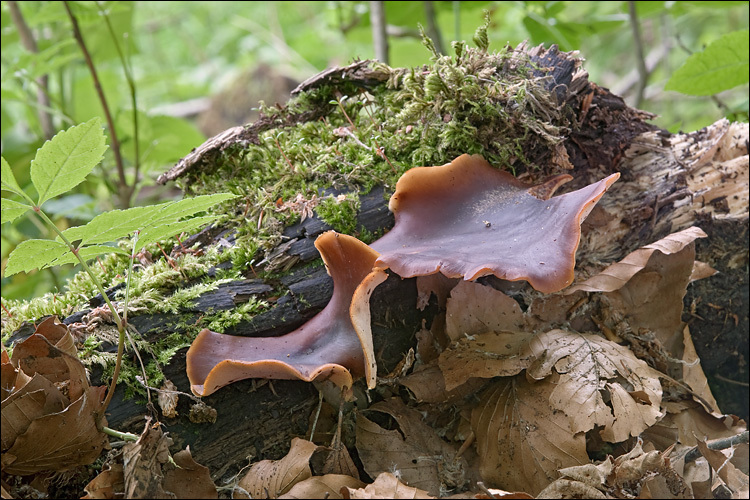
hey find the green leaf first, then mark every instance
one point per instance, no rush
(111, 226)
(8, 180)
(87, 253)
(723, 65)
(64, 161)
(11, 210)
(34, 254)
(156, 233)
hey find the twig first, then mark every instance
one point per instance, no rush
(125, 436)
(379, 35)
(284, 154)
(42, 92)
(125, 191)
(167, 391)
(131, 86)
(729, 380)
(719, 444)
(641, 62)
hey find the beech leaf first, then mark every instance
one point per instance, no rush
(521, 441)
(586, 363)
(271, 478)
(386, 485)
(382, 449)
(618, 274)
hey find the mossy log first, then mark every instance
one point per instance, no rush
(668, 182)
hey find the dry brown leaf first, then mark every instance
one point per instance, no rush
(690, 421)
(701, 270)
(567, 488)
(428, 349)
(652, 300)
(618, 274)
(339, 461)
(586, 363)
(59, 441)
(8, 374)
(168, 400)
(740, 457)
(189, 479)
(20, 408)
(636, 474)
(474, 308)
(109, 484)
(38, 354)
(735, 479)
(521, 440)
(484, 355)
(327, 486)
(434, 284)
(632, 471)
(143, 462)
(427, 384)
(415, 450)
(271, 478)
(693, 376)
(386, 485)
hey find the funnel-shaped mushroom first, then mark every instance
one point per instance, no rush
(467, 219)
(326, 347)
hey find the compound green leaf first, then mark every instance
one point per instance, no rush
(723, 65)
(8, 180)
(34, 254)
(87, 253)
(116, 224)
(11, 210)
(64, 161)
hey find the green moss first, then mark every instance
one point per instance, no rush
(222, 320)
(331, 137)
(340, 212)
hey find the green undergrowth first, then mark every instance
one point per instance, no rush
(343, 138)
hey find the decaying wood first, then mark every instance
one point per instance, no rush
(668, 183)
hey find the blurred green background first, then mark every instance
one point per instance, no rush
(193, 69)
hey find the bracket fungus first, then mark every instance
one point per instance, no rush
(464, 219)
(467, 219)
(326, 347)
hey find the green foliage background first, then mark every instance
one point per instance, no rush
(178, 51)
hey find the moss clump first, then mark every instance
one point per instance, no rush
(342, 137)
(340, 212)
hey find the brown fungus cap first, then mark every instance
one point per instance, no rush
(467, 219)
(326, 347)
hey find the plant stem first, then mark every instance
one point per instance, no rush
(125, 436)
(125, 191)
(118, 321)
(131, 86)
(42, 91)
(640, 60)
